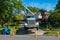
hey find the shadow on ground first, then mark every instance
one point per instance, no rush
(21, 31)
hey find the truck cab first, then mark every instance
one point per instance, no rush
(30, 19)
(31, 22)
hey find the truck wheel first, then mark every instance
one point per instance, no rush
(25, 28)
(37, 28)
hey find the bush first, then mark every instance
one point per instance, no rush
(42, 26)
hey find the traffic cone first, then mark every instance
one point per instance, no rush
(35, 34)
(57, 34)
(13, 33)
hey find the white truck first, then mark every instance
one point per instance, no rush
(30, 20)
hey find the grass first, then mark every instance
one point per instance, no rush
(11, 27)
(51, 32)
(1, 28)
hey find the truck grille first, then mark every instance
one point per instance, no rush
(32, 22)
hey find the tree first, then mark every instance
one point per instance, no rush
(5, 12)
(17, 5)
(58, 7)
(42, 10)
(55, 16)
(57, 11)
(33, 9)
(8, 8)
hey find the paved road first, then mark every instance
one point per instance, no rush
(22, 35)
(27, 37)
(21, 31)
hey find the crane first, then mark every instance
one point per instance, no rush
(30, 20)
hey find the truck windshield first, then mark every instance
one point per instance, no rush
(30, 16)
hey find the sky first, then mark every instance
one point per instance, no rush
(41, 4)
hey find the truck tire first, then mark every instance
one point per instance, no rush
(37, 28)
(25, 28)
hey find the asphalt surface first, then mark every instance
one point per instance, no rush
(28, 37)
(24, 35)
(21, 31)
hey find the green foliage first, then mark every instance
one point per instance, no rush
(42, 26)
(55, 16)
(7, 8)
(54, 19)
(58, 7)
(18, 17)
(42, 10)
(17, 4)
(51, 32)
(33, 9)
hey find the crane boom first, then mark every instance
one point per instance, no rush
(27, 9)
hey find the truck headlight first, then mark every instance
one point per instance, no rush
(40, 16)
(25, 23)
(37, 23)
